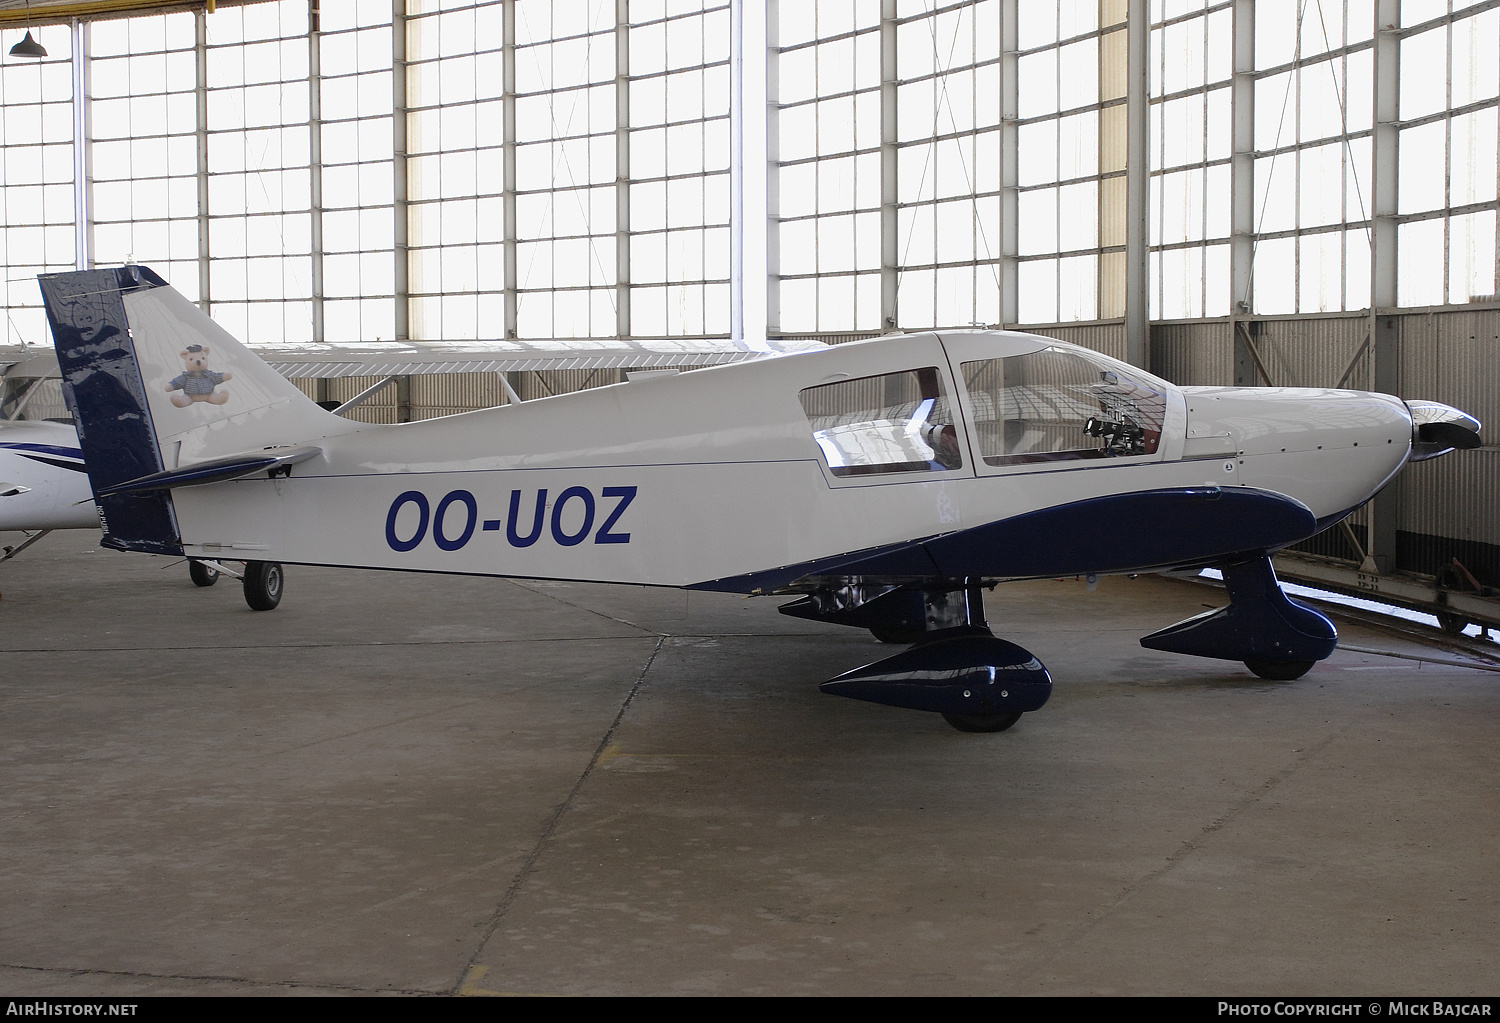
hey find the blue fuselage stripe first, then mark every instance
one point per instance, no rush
(46, 449)
(48, 454)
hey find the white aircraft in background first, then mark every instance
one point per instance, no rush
(45, 486)
(884, 483)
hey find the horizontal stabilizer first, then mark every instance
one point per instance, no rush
(231, 467)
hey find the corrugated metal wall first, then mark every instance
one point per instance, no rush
(1105, 338)
(1454, 357)
(1313, 352)
(1193, 354)
(447, 394)
(46, 403)
(564, 381)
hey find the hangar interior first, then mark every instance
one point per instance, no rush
(1280, 192)
(450, 785)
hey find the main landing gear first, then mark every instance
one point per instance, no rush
(957, 667)
(263, 581)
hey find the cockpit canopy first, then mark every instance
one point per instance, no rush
(1051, 403)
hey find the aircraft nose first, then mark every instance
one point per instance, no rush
(1437, 429)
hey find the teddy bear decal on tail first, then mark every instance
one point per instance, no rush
(198, 383)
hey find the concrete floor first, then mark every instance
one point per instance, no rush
(413, 784)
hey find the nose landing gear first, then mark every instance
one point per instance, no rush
(1275, 636)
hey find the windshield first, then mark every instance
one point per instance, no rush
(1059, 404)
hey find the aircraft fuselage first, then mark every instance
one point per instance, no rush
(717, 473)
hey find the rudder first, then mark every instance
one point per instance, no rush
(103, 388)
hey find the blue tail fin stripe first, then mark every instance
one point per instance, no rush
(91, 332)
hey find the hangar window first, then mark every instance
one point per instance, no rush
(897, 422)
(1058, 404)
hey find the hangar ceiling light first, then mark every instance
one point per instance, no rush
(28, 47)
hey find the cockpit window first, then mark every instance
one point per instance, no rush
(898, 422)
(1057, 404)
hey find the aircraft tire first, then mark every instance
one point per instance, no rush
(1280, 671)
(982, 722)
(201, 574)
(263, 584)
(897, 634)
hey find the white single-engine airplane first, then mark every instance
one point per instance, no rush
(886, 483)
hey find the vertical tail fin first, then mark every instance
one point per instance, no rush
(155, 385)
